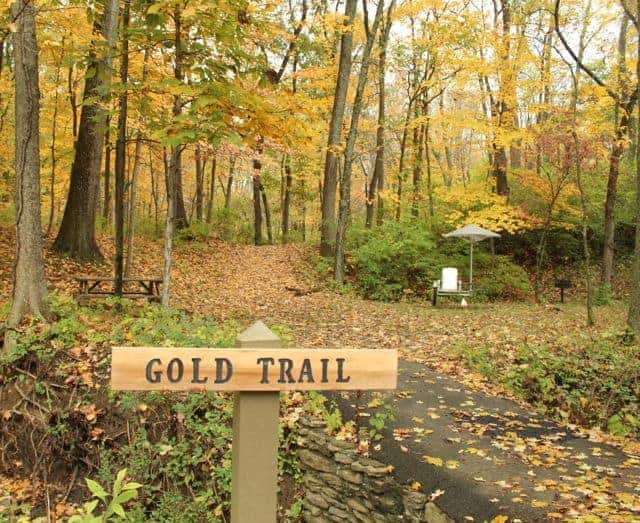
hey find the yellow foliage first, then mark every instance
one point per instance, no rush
(476, 204)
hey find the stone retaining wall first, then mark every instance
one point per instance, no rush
(343, 486)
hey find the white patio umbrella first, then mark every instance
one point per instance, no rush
(474, 234)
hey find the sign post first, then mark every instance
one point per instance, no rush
(254, 473)
(257, 370)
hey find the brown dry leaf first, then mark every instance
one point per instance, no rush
(90, 412)
(97, 434)
(401, 434)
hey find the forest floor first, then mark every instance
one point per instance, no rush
(241, 284)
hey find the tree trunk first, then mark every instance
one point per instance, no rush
(542, 244)
(303, 192)
(446, 173)
(180, 217)
(170, 227)
(181, 220)
(257, 210)
(54, 130)
(427, 155)
(504, 110)
(585, 237)
(623, 112)
(499, 169)
(377, 180)
(403, 148)
(133, 199)
(345, 178)
(133, 190)
(29, 285)
(154, 192)
(329, 188)
(633, 319)
(212, 189)
(610, 202)
(578, 168)
(286, 204)
(200, 165)
(227, 195)
(71, 85)
(121, 154)
(106, 204)
(267, 214)
(76, 237)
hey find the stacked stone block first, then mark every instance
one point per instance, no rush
(343, 486)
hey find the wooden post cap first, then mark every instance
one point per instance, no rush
(258, 335)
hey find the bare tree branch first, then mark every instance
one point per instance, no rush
(578, 61)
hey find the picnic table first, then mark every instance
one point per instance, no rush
(96, 286)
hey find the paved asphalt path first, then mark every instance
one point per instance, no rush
(490, 456)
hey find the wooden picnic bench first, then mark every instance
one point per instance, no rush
(94, 286)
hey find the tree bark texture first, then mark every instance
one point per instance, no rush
(257, 208)
(504, 110)
(200, 166)
(227, 195)
(377, 180)
(29, 286)
(345, 178)
(54, 130)
(329, 187)
(212, 189)
(180, 218)
(169, 230)
(76, 237)
(286, 200)
(633, 318)
(267, 214)
(121, 156)
(133, 188)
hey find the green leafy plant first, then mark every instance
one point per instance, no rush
(603, 295)
(113, 503)
(294, 513)
(498, 278)
(379, 420)
(197, 231)
(400, 260)
(393, 259)
(595, 383)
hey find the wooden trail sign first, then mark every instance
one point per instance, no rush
(257, 370)
(252, 369)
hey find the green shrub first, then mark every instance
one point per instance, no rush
(603, 295)
(401, 259)
(177, 445)
(395, 258)
(498, 278)
(147, 227)
(595, 383)
(197, 231)
(232, 224)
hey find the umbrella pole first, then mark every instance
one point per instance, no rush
(471, 267)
